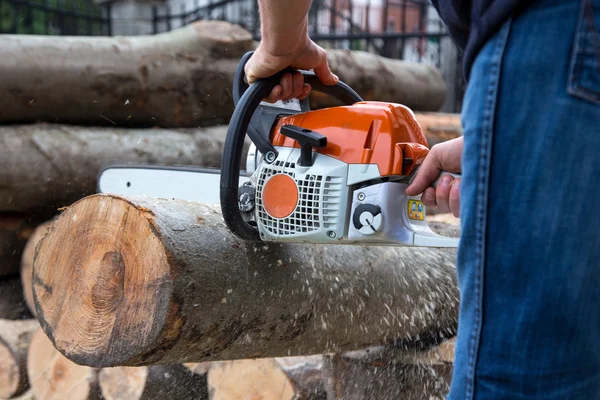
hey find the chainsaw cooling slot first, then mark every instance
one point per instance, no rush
(317, 204)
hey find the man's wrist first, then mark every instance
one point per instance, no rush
(280, 40)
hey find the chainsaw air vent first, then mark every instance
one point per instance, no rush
(318, 207)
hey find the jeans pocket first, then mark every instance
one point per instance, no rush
(584, 71)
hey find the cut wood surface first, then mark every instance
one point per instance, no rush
(172, 381)
(15, 337)
(48, 166)
(252, 379)
(15, 229)
(12, 299)
(416, 85)
(27, 264)
(181, 78)
(141, 281)
(174, 79)
(54, 377)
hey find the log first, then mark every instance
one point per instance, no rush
(54, 377)
(15, 229)
(439, 127)
(389, 373)
(47, 166)
(255, 379)
(27, 264)
(172, 381)
(12, 300)
(57, 164)
(181, 78)
(15, 337)
(419, 86)
(174, 79)
(140, 281)
(306, 374)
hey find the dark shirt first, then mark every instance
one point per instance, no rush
(471, 23)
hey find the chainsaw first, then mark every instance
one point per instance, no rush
(331, 175)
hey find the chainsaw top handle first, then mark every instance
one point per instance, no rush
(247, 99)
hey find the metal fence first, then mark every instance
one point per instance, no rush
(402, 29)
(54, 17)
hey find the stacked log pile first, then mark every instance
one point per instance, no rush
(108, 297)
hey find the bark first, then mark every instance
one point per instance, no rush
(54, 377)
(12, 300)
(142, 281)
(27, 263)
(15, 337)
(418, 86)
(14, 232)
(388, 373)
(179, 78)
(45, 167)
(173, 381)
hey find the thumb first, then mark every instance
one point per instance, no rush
(426, 175)
(323, 71)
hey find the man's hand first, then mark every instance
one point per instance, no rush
(285, 43)
(308, 55)
(447, 157)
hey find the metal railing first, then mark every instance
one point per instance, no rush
(54, 17)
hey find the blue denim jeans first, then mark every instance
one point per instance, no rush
(529, 259)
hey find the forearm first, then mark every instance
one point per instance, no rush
(284, 25)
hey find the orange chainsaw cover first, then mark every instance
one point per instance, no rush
(368, 132)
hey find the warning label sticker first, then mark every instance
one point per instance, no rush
(415, 210)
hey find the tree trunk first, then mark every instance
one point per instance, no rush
(54, 377)
(172, 381)
(388, 373)
(15, 337)
(45, 167)
(27, 264)
(174, 79)
(182, 78)
(418, 86)
(12, 300)
(14, 232)
(141, 281)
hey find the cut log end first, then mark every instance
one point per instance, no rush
(9, 373)
(15, 337)
(53, 376)
(258, 378)
(123, 382)
(112, 286)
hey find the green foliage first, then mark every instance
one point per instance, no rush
(51, 17)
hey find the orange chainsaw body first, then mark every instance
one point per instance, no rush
(367, 132)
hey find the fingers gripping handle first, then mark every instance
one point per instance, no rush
(437, 181)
